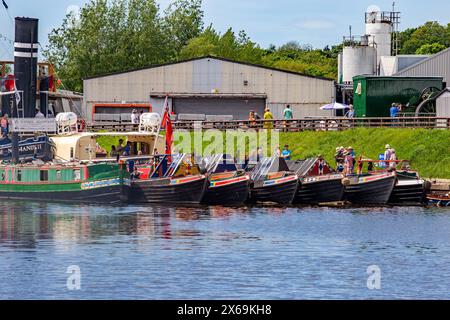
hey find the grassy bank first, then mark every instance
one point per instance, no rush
(428, 150)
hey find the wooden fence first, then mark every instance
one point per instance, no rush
(295, 125)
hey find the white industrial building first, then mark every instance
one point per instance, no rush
(365, 55)
(210, 86)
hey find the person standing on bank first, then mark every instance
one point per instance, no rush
(350, 113)
(268, 116)
(288, 116)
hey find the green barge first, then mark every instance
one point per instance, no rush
(72, 182)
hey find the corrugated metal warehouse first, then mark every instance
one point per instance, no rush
(437, 65)
(211, 86)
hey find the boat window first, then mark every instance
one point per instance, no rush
(19, 175)
(58, 175)
(72, 154)
(3, 176)
(44, 175)
(76, 175)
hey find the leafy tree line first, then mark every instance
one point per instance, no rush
(119, 35)
(430, 38)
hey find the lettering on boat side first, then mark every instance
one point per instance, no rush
(374, 279)
(100, 184)
(225, 310)
(74, 280)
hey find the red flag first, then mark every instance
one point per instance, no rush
(166, 124)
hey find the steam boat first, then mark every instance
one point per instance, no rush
(68, 182)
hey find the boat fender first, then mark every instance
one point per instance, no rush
(346, 181)
(427, 185)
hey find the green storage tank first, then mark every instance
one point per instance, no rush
(374, 95)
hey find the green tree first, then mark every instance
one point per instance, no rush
(119, 35)
(183, 21)
(430, 33)
(430, 48)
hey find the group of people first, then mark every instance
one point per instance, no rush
(268, 115)
(390, 155)
(121, 149)
(136, 116)
(345, 160)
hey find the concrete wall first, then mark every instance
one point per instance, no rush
(202, 76)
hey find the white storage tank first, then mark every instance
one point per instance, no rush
(357, 60)
(379, 28)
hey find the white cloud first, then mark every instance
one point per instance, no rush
(315, 24)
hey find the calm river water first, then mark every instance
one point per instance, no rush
(139, 252)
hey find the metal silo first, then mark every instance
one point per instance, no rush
(357, 59)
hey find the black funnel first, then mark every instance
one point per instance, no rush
(25, 63)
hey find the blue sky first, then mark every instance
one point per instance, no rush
(315, 22)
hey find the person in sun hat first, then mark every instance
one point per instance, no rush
(339, 157)
(387, 154)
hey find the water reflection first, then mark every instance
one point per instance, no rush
(222, 252)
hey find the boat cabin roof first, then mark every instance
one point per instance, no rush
(219, 163)
(269, 165)
(82, 146)
(309, 167)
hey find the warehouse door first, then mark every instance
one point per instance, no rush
(239, 108)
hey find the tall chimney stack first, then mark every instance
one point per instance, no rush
(25, 63)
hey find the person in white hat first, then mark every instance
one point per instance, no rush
(387, 155)
(135, 118)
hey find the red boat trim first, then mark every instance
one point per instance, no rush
(230, 181)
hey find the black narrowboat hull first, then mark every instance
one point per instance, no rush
(320, 189)
(182, 191)
(104, 195)
(281, 191)
(370, 190)
(408, 192)
(228, 192)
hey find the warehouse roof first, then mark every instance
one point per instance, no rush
(208, 57)
(443, 54)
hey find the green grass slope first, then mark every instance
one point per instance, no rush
(428, 150)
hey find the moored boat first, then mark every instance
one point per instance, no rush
(227, 185)
(369, 189)
(177, 183)
(409, 188)
(66, 182)
(318, 183)
(439, 199)
(272, 181)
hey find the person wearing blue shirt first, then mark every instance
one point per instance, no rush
(393, 111)
(127, 149)
(286, 153)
